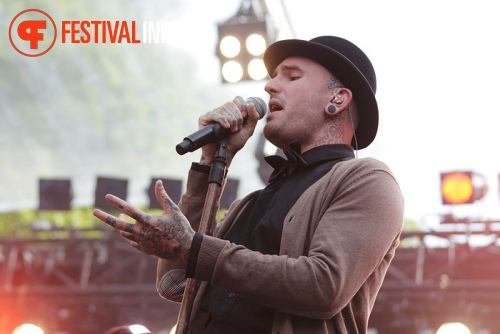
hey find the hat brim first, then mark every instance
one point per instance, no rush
(344, 70)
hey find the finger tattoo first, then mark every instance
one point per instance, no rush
(242, 103)
(171, 205)
(229, 113)
(111, 221)
(137, 217)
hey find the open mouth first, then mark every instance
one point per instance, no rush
(275, 106)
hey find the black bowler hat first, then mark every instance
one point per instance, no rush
(348, 63)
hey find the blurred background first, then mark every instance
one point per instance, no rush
(86, 119)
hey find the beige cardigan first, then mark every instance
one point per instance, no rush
(337, 243)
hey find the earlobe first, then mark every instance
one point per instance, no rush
(332, 110)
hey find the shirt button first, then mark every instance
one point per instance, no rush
(231, 295)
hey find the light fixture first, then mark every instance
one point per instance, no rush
(243, 39)
(256, 44)
(257, 69)
(462, 187)
(28, 329)
(138, 329)
(230, 46)
(232, 71)
(453, 328)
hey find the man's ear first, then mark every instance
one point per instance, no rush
(340, 99)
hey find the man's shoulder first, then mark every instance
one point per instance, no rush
(364, 164)
(368, 170)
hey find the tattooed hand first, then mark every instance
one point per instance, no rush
(236, 116)
(168, 236)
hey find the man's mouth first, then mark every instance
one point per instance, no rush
(275, 106)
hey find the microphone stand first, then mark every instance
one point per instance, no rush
(215, 181)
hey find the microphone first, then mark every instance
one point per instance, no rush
(214, 132)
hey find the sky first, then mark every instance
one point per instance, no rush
(437, 65)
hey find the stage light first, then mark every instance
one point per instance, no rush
(256, 44)
(453, 328)
(243, 39)
(232, 71)
(462, 187)
(230, 46)
(138, 329)
(257, 69)
(28, 329)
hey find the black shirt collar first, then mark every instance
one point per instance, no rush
(295, 161)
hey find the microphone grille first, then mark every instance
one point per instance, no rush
(259, 104)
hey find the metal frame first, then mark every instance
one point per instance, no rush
(79, 282)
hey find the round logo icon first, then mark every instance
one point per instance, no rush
(32, 32)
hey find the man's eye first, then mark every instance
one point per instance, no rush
(295, 77)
